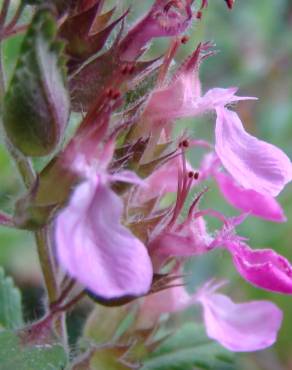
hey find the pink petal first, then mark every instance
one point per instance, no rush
(254, 164)
(128, 177)
(166, 18)
(166, 301)
(191, 238)
(181, 99)
(96, 249)
(218, 97)
(262, 267)
(247, 200)
(177, 100)
(241, 327)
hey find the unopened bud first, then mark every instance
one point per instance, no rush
(36, 105)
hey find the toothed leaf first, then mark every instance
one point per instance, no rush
(10, 307)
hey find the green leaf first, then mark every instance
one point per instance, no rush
(189, 348)
(36, 105)
(40, 357)
(10, 303)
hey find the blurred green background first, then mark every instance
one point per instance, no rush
(255, 54)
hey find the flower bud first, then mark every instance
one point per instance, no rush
(36, 105)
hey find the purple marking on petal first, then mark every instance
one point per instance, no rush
(255, 164)
(96, 249)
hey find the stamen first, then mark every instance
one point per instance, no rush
(229, 3)
(184, 144)
(112, 93)
(184, 39)
(195, 203)
(204, 4)
(127, 69)
(199, 15)
(175, 3)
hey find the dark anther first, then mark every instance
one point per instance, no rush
(229, 3)
(196, 175)
(127, 69)
(184, 39)
(112, 94)
(185, 143)
(199, 15)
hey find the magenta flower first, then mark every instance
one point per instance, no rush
(165, 18)
(253, 163)
(263, 268)
(248, 200)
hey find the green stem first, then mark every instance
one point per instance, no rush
(46, 262)
(28, 175)
(24, 166)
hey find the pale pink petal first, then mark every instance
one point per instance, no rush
(177, 100)
(241, 327)
(128, 177)
(254, 164)
(166, 301)
(180, 99)
(247, 200)
(96, 249)
(262, 267)
(219, 97)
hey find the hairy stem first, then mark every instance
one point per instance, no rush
(46, 261)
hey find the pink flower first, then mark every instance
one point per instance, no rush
(240, 327)
(263, 268)
(188, 239)
(248, 200)
(92, 244)
(253, 163)
(182, 96)
(184, 239)
(165, 18)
